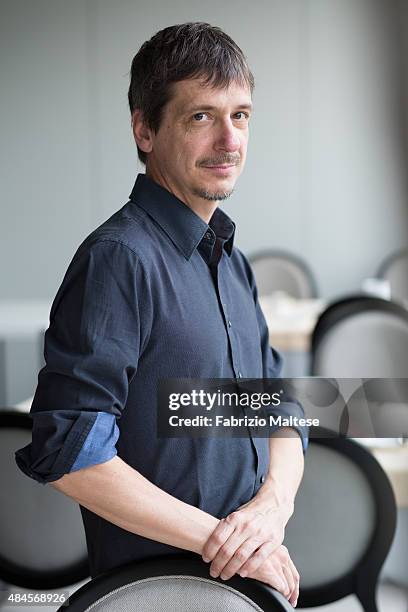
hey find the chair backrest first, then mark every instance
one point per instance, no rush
(343, 524)
(394, 269)
(281, 271)
(42, 539)
(361, 336)
(174, 582)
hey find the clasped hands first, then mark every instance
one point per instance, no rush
(248, 542)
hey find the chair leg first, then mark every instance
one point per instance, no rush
(367, 598)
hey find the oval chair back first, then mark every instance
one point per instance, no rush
(361, 336)
(176, 582)
(394, 269)
(42, 539)
(282, 271)
(344, 522)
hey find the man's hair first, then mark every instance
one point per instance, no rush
(184, 51)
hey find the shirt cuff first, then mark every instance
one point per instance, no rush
(99, 446)
(293, 412)
(58, 436)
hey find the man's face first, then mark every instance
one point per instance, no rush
(200, 147)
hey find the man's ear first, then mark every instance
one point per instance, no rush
(141, 132)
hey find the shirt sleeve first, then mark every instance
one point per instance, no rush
(272, 363)
(98, 325)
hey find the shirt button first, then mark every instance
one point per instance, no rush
(262, 478)
(239, 374)
(229, 323)
(208, 235)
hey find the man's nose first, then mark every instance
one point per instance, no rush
(228, 139)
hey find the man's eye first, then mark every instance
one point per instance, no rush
(199, 116)
(241, 115)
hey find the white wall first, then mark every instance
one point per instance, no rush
(327, 168)
(403, 50)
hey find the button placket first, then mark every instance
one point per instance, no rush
(230, 332)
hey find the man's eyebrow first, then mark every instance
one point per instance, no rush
(209, 107)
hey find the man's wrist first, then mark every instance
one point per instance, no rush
(274, 498)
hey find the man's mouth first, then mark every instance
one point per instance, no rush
(219, 165)
(220, 169)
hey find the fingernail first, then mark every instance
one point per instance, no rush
(213, 574)
(243, 574)
(206, 560)
(223, 577)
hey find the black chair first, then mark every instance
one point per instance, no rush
(42, 539)
(344, 522)
(277, 270)
(177, 582)
(394, 269)
(361, 336)
(366, 339)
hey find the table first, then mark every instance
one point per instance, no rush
(291, 321)
(22, 327)
(19, 318)
(394, 461)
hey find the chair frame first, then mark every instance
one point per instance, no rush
(186, 564)
(23, 576)
(389, 260)
(341, 309)
(362, 579)
(295, 259)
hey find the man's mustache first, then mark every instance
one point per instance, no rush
(219, 161)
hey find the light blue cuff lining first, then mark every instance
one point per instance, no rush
(99, 445)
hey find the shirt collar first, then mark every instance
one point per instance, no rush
(186, 229)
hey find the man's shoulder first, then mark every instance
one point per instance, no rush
(128, 228)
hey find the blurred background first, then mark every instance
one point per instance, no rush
(325, 186)
(327, 170)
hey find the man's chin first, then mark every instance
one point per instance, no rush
(213, 196)
(213, 193)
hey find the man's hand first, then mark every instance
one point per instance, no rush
(243, 540)
(279, 572)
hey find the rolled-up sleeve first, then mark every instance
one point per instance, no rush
(272, 363)
(91, 352)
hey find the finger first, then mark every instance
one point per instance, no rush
(258, 558)
(271, 573)
(280, 582)
(220, 534)
(295, 595)
(226, 553)
(239, 558)
(290, 581)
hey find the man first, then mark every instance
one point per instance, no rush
(160, 291)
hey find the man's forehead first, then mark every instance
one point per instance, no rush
(195, 92)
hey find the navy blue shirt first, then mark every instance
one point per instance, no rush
(152, 293)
